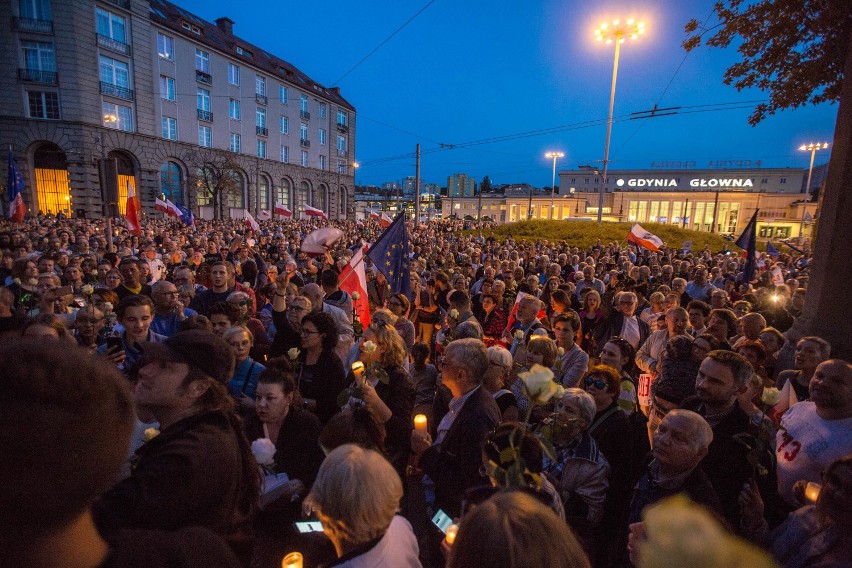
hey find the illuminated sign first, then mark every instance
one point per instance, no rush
(694, 182)
(644, 182)
(720, 182)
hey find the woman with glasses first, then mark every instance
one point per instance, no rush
(319, 371)
(243, 384)
(391, 400)
(496, 381)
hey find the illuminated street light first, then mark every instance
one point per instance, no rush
(555, 156)
(615, 32)
(812, 148)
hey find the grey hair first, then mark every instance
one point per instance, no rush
(584, 402)
(468, 329)
(237, 295)
(701, 434)
(469, 354)
(500, 356)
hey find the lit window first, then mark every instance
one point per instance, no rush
(165, 47)
(117, 117)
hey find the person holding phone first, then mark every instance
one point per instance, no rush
(135, 313)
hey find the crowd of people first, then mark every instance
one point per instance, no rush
(209, 395)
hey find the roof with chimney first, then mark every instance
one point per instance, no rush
(219, 36)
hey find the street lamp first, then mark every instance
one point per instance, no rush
(555, 156)
(812, 148)
(608, 33)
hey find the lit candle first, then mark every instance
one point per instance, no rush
(812, 491)
(357, 369)
(420, 422)
(452, 531)
(292, 560)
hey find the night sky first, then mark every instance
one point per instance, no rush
(472, 70)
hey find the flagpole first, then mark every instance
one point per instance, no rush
(351, 272)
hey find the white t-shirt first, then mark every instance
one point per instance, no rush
(808, 446)
(630, 331)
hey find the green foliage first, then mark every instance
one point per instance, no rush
(584, 234)
(793, 49)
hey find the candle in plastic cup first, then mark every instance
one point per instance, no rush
(358, 369)
(420, 422)
(452, 531)
(292, 560)
(812, 491)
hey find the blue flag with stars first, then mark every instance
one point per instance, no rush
(747, 242)
(390, 255)
(186, 216)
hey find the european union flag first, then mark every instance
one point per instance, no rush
(390, 255)
(747, 242)
(186, 216)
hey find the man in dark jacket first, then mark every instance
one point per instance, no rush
(198, 470)
(623, 322)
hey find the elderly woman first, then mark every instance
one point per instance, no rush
(657, 307)
(390, 400)
(243, 303)
(580, 472)
(243, 384)
(356, 496)
(496, 379)
(113, 279)
(319, 375)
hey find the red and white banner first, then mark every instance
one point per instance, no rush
(131, 211)
(641, 237)
(314, 212)
(264, 215)
(385, 221)
(374, 214)
(357, 282)
(161, 206)
(249, 221)
(319, 242)
(282, 211)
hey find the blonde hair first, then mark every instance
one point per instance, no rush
(232, 331)
(356, 494)
(544, 346)
(388, 338)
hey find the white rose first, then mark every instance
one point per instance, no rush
(454, 313)
(107, 307)
(770, 396)
(33, 281)
(370, 347)
(356, 296)
(16, 281)
(519, 335)
(87, 290)
(560, 352)
(539, 385)
(264, 451)
(94, 272)
(293, 353)
(149, 434)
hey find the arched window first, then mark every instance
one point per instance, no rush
(322, 197)
(342, 202)
(205, 183)
(171, 182)
(282, 193)
(236, 191)
(263, 192)
(53, 189)
(126, 175)
(303, 195)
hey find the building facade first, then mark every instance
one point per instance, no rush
(460, 185)
(171, 97)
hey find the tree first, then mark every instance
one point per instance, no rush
(485, 185)
(793, 49)
(216, 177)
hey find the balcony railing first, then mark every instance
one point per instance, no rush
(261, 99)
(305, 114)
(305, 142)
(261, 130)
(116, 91)
(342, 153)
(343, 128)
(29, 25)
(203, 77)
(37, 76)
(113, 44)
(205, 115)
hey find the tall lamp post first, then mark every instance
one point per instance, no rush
(812, 148)
(616, 32)
(555, 156)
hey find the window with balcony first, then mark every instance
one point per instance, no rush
(112, 31)
(282, 94)
(39, 62)
(202, 61)
(260, 122)
(341, 145)
(260, 85)
(43, 105)
(234, 143)
(165, 47)
(342, 122)
(205, 136)
(304, 160)
(169, 128)
(35, 16)
(303, 107)
(115, 78)
(261, 148)
(283, 125)
(303, 131)
(117, 116)
(167, 88)
(203, 104)
(234, 109)
(285, 154)
(233, 75)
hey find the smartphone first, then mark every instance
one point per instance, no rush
(113, 343)
(442, 521)
(309, 526)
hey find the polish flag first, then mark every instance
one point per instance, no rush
(161, 206)
(249, 221)
(282, 211)
(354, 279)
(174, 210)
(641, 237)
(374, 214)
(264, 215)
(385, 221)
(131, 214)
(314, 212)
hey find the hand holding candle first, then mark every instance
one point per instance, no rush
(358, 371)
(812, 491)
(420, 423)
(292, 560)
(452, 531)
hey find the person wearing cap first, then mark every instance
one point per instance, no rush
(182, 382)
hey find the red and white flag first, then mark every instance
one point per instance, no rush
(131, 211)
(641, 237)
(249, 221)
(314, 212)
(282, 211)
(161, 206)
(385, 221)
(264, 215)
(173, 210)
(319, 242)
(374, 214)
(353, 279)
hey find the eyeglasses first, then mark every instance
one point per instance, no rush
(297, 308)
(599, 384)
(308, 332)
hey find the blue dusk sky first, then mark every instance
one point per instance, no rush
(472, 70)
